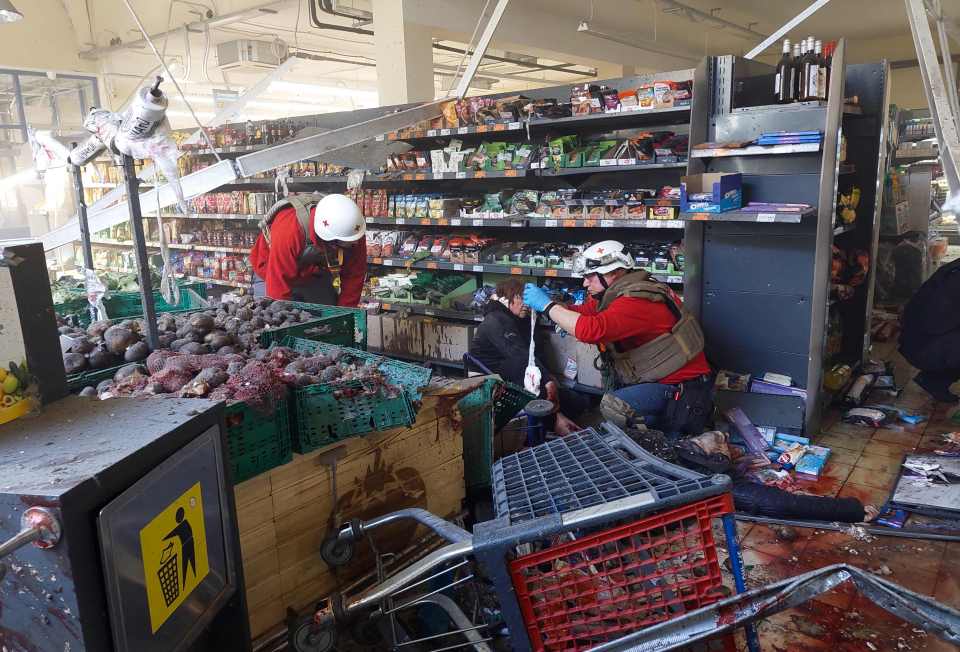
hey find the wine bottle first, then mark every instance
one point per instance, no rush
(781, 86)
(795, 73)
(801, 72)
(812, 69)
(821, 71)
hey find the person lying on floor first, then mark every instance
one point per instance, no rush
(502, 344)
(930, 335)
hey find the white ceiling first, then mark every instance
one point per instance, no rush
(543, 28)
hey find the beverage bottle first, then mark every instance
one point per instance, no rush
(781, 86)
(801, 73)
(828, 63)
(821, 71)
(813, 68)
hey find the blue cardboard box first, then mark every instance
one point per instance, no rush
(725, 190)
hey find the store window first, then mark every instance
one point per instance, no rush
(29, 206)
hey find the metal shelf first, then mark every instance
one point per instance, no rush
(743, 216)
(756, 150)
(563, 172)
(452, 132)
(211, 216)
(420, 309)
(216, 281)
(173, 245)
(532, 222)
(514, 270)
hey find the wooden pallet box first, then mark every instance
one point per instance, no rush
(283, 516)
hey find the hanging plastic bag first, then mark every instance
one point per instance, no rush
(532, 376)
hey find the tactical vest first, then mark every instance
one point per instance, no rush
(311, 255)
(657, 359)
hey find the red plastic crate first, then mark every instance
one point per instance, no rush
(578, 594)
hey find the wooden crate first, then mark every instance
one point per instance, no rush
(284, 515)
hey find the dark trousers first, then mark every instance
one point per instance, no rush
(318, 290)
(937, 358)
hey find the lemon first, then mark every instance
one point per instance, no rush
(10, 384)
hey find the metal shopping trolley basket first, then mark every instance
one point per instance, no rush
(594, 538)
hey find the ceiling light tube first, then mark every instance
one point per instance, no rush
(585, 28)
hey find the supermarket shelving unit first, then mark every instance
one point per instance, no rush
(761, 290)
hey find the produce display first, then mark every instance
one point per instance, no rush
(419, 287)
(70, 288)
(232, 327)
(259, 378)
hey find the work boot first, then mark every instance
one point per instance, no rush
(620, 413)
(937, 386)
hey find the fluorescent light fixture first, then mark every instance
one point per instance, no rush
(9, 13)
(584, 27)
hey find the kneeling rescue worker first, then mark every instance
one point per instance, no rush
(304, 240)
(651, 348)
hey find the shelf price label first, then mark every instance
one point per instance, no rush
(429, 313)
(380, 138)
(388, 261)
(455, 222)
(407, 177)
(480, 174)
(516, 271)
(420, 177)
(572, 223)
(432, 266)
(482, 129)
(511, 173)
(550, 223)
(443, 222)
(401, 221)
(766, 217)
(587, 223)
(500, 127)
(463, 130)
(392, 135)
(606, 222)
(608, 162)
(425, 222)
(516, 225)
(461, 175)
(457, 267)
(478, 268)
(478, 222)
(514, 125)
(445, 132)
(431, 132)
(378, 261)
(550, 272)
(701, 217)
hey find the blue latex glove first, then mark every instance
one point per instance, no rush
(535, 297)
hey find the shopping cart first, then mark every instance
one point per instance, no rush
(594, 538)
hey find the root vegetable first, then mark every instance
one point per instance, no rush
(104, 386)
(101, 358)
(194, 348)
(176, 345)
(88, 392)
(98, 328)
(74, 363)
(226, 350)
(136, 352)
(156, 360)
(128, 370)
(82, 345)
(244, 314)
(201, 322)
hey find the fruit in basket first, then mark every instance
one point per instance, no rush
(10, 384)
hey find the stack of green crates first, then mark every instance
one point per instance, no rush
(485, 411)
(257, 442)
(321, 418)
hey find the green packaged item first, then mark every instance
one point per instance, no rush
(524, 201)
(574, 159)
(559, 148)
(492, 202)
(592, 159)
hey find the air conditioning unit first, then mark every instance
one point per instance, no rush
(247, 54)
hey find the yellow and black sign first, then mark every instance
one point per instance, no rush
(174, 550)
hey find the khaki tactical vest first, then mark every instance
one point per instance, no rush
(660, 357)
(311, 254)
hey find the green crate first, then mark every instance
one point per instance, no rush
(342, 334)
(124, 305)
(476, 412)
(410, 376)
(249, 430)
(255, 462)
(485, 411)
(321, 419)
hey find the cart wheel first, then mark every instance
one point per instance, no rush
(336, 552)
(307, 636)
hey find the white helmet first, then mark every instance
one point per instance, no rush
(339, 218)
(602, 258)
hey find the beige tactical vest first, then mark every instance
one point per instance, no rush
(311, 254)
(660, 357)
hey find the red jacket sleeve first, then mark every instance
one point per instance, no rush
(286, 245)
(625, 317)
(352, 274)
(588, 307)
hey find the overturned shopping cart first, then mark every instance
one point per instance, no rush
(593, 538)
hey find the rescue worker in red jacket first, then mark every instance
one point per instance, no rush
(304, 241)
(651, 348)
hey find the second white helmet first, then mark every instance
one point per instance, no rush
(339, 218)
(602, 258)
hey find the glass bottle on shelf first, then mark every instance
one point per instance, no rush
(821, 71)
(781, 85)
(796, 71)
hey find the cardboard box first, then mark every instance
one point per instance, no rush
(725, 190)
(402, 335)
(446, 341)
(587, 373)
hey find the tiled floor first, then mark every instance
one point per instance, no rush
(864, 464)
